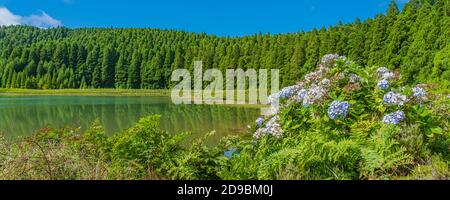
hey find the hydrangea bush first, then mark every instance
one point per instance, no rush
(344, 121)
(327, 92)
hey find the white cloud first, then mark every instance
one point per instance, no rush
(7, 18)
(41, 20)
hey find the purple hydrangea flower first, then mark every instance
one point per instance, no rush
(353, 78)
(419, 92)
(394, 99)
(272, 128)
(332, 57)
(314, 94)
(329, 57)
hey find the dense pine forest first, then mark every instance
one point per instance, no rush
(415, 40)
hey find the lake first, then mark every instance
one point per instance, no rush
(21, 116)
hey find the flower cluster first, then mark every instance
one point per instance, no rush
(315, 88)
(394, 118)
(338, 109)
(395, 99)
(283, 94)
(272, 128)
(419, 92)
(314, 94)
(316, 76)
(383, 84)
(325, 82)
(329, 58)
(353, 78)
(287, 92)
(385, 74)
(388, 76)
(382, 70)
(332, 57)
(259, 121)
(301, 94)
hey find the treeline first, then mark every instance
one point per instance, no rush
(416, 41)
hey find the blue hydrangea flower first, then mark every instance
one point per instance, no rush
(419, 92)
(287, 92)
(259, 121)
(283, 94)
(394, 99)
(229, 153)
(383, 84)
(394, 118)
(382, 70)
(302, 93)
(338, 109)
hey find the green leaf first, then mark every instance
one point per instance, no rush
(437, 130)
(425, 113)
(296, 126)
(333, 95)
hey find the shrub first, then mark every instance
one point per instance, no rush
(346, 122)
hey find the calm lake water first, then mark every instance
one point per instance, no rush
(21, 116)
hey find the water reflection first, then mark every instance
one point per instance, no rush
(21, 116)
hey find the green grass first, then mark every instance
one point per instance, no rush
(84, 92)
(101, 92)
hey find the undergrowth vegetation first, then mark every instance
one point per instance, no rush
(340, 122)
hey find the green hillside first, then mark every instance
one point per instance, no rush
(415, 40)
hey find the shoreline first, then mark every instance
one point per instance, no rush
(83, 92)
(102, 93)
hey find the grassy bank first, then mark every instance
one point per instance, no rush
(84, 92)
(101, 92)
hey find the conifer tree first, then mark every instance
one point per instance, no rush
(108, 67)
(134, 73)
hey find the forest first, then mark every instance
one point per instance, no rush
(414, 40)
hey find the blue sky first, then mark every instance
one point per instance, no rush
(226, 17)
